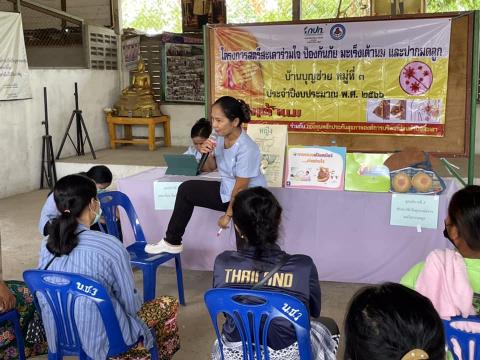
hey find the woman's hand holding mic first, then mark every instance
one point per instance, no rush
(209, 145)
(206, 149)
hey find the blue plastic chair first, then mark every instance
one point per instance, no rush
(249, 318)
(462, 337)
(13, 317)
(148, 263)
(61, 292)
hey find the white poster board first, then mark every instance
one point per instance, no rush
(165, 194)
(420, 211)
(272, 140)
(14, 76)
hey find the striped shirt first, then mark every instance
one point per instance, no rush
(49, 212)
(103, 258)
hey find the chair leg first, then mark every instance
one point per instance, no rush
(149, 283)
(54, 356)
(151, 136)
(178, 268)
(19, 338)
(154, 353)
(166, 133)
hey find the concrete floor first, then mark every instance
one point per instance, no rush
(20, 246)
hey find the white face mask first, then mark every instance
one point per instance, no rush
(97, 215)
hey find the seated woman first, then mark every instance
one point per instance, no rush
(72, 247)
(256, 217)
(15, 295)
(392, 322)
(100, 174)
(451, 279)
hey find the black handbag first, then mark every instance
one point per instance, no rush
(35, 332)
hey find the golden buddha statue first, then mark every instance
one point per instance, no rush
(137, 99)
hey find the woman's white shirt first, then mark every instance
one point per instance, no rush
(242, 159)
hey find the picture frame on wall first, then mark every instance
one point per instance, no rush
(196, 13)
(184, 73)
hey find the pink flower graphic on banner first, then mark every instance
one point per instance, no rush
(416, 78)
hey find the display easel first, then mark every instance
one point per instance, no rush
(79, 148)
(48, 170)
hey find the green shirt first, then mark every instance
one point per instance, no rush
(473, 272)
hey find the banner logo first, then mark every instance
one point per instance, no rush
(337, 32)
(313, 30)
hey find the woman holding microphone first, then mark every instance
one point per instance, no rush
(237, 158)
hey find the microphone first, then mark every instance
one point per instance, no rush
(213, 137)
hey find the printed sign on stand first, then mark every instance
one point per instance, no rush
(315, 167)
(165, 194)
(420, 211)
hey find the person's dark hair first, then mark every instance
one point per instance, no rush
(234, 108)
(257, 215)
(100, 174)
(464, 213)
(72, 195)
(385, 322)
(202, 128)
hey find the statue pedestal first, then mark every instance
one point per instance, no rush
(128, 122)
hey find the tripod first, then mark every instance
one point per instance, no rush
(79, 148)
(48, 171)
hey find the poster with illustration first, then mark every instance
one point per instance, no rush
(315, 167)
(396, 111)
(272, 140)
(366, 172)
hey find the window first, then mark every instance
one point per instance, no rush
(249, 11)
(452, 5)
(156, 16)
(152, 16)
(313, 9)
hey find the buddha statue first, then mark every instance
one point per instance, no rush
(137, 99)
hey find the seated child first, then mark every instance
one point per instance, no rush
(200, 132)
(391, 321)
(451, 278)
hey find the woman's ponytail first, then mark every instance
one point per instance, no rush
(72, 194)
(245, 109)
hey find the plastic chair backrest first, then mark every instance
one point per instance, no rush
(253, 320)
(454, 336)
(14, 318)
(110, 201)
(61, 290)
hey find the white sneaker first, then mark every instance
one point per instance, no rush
(163, 247)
